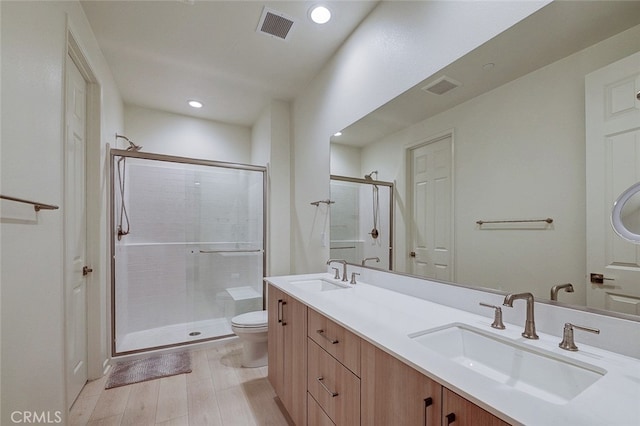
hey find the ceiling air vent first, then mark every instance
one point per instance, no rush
(275, 24)
(442, 85)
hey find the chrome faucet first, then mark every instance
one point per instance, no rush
(377, 259)
(530, 324)
(556, 288)
(344, 267)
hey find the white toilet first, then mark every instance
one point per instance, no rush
(251, 329)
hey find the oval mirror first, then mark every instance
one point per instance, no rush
(625, 216)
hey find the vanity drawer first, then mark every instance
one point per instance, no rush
(315, 415)
(342, 344)
(333, 386)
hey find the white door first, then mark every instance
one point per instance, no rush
(75, 232)
(613, 164)
(431, 214)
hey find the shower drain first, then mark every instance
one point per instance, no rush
(194, 333)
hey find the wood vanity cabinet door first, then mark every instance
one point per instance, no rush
(275, 339)
(394, 393)
(466, 413)
(333, 386)
(287, 351)
(342, 344)
(315, 415)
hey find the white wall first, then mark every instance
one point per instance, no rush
(271, 147)
(33, 57)
(398, 45)
(173, 134)
(519, 154)
(345, 161)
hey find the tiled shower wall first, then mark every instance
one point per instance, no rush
(176, 211)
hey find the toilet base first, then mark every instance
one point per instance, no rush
(254, 354)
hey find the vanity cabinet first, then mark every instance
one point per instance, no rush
(465, 413)
(326, 375)
(339, 342)
(333, 386)
(333, 380)
(394, 393)
(287, 351)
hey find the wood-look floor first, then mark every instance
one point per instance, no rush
(217, 392)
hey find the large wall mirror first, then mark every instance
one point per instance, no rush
(510, 203)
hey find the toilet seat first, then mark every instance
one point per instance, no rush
(251, 320)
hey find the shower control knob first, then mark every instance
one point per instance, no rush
(86, 270)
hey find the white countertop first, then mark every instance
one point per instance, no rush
(386, 319)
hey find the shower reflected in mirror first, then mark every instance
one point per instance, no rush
(362, 220)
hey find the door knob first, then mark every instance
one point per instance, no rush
(86, 270)
(412, 254)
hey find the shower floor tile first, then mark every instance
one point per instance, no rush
(174, 334)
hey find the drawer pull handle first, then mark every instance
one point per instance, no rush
(321, 333)
(451, 417)
(329, 391)
(281, 304)
(428, 402)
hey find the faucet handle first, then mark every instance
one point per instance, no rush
(336, 276)
(497, 319)
(353, 278)
(567, 336)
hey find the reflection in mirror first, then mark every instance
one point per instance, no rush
(362, 221)
(517, 122)
(625, 216)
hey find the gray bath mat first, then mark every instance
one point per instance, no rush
(154, 367)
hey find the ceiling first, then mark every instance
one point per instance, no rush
(163, 53)
(554, 32)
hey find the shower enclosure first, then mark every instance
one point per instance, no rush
(188, 248)
(362, 221)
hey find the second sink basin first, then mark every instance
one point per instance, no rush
(318, 284)
(544, 375)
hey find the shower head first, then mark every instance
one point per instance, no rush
(132, 146)
(369, 176)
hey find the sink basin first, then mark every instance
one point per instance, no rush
(539, 373)
(318, 284)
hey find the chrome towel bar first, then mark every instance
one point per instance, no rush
(548, 220)
(317, 203)
(231, 251)
(36, 206)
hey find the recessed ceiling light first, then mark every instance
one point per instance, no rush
(320, 14)
(337, 134)
(195, 104)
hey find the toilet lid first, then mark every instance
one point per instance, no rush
(251, 319)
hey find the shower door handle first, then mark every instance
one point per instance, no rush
(86, 270)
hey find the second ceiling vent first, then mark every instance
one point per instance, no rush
(442, 85)
(275, 24)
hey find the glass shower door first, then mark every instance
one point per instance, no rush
(188, 248)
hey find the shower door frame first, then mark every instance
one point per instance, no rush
(113, 153)
(391, 204)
